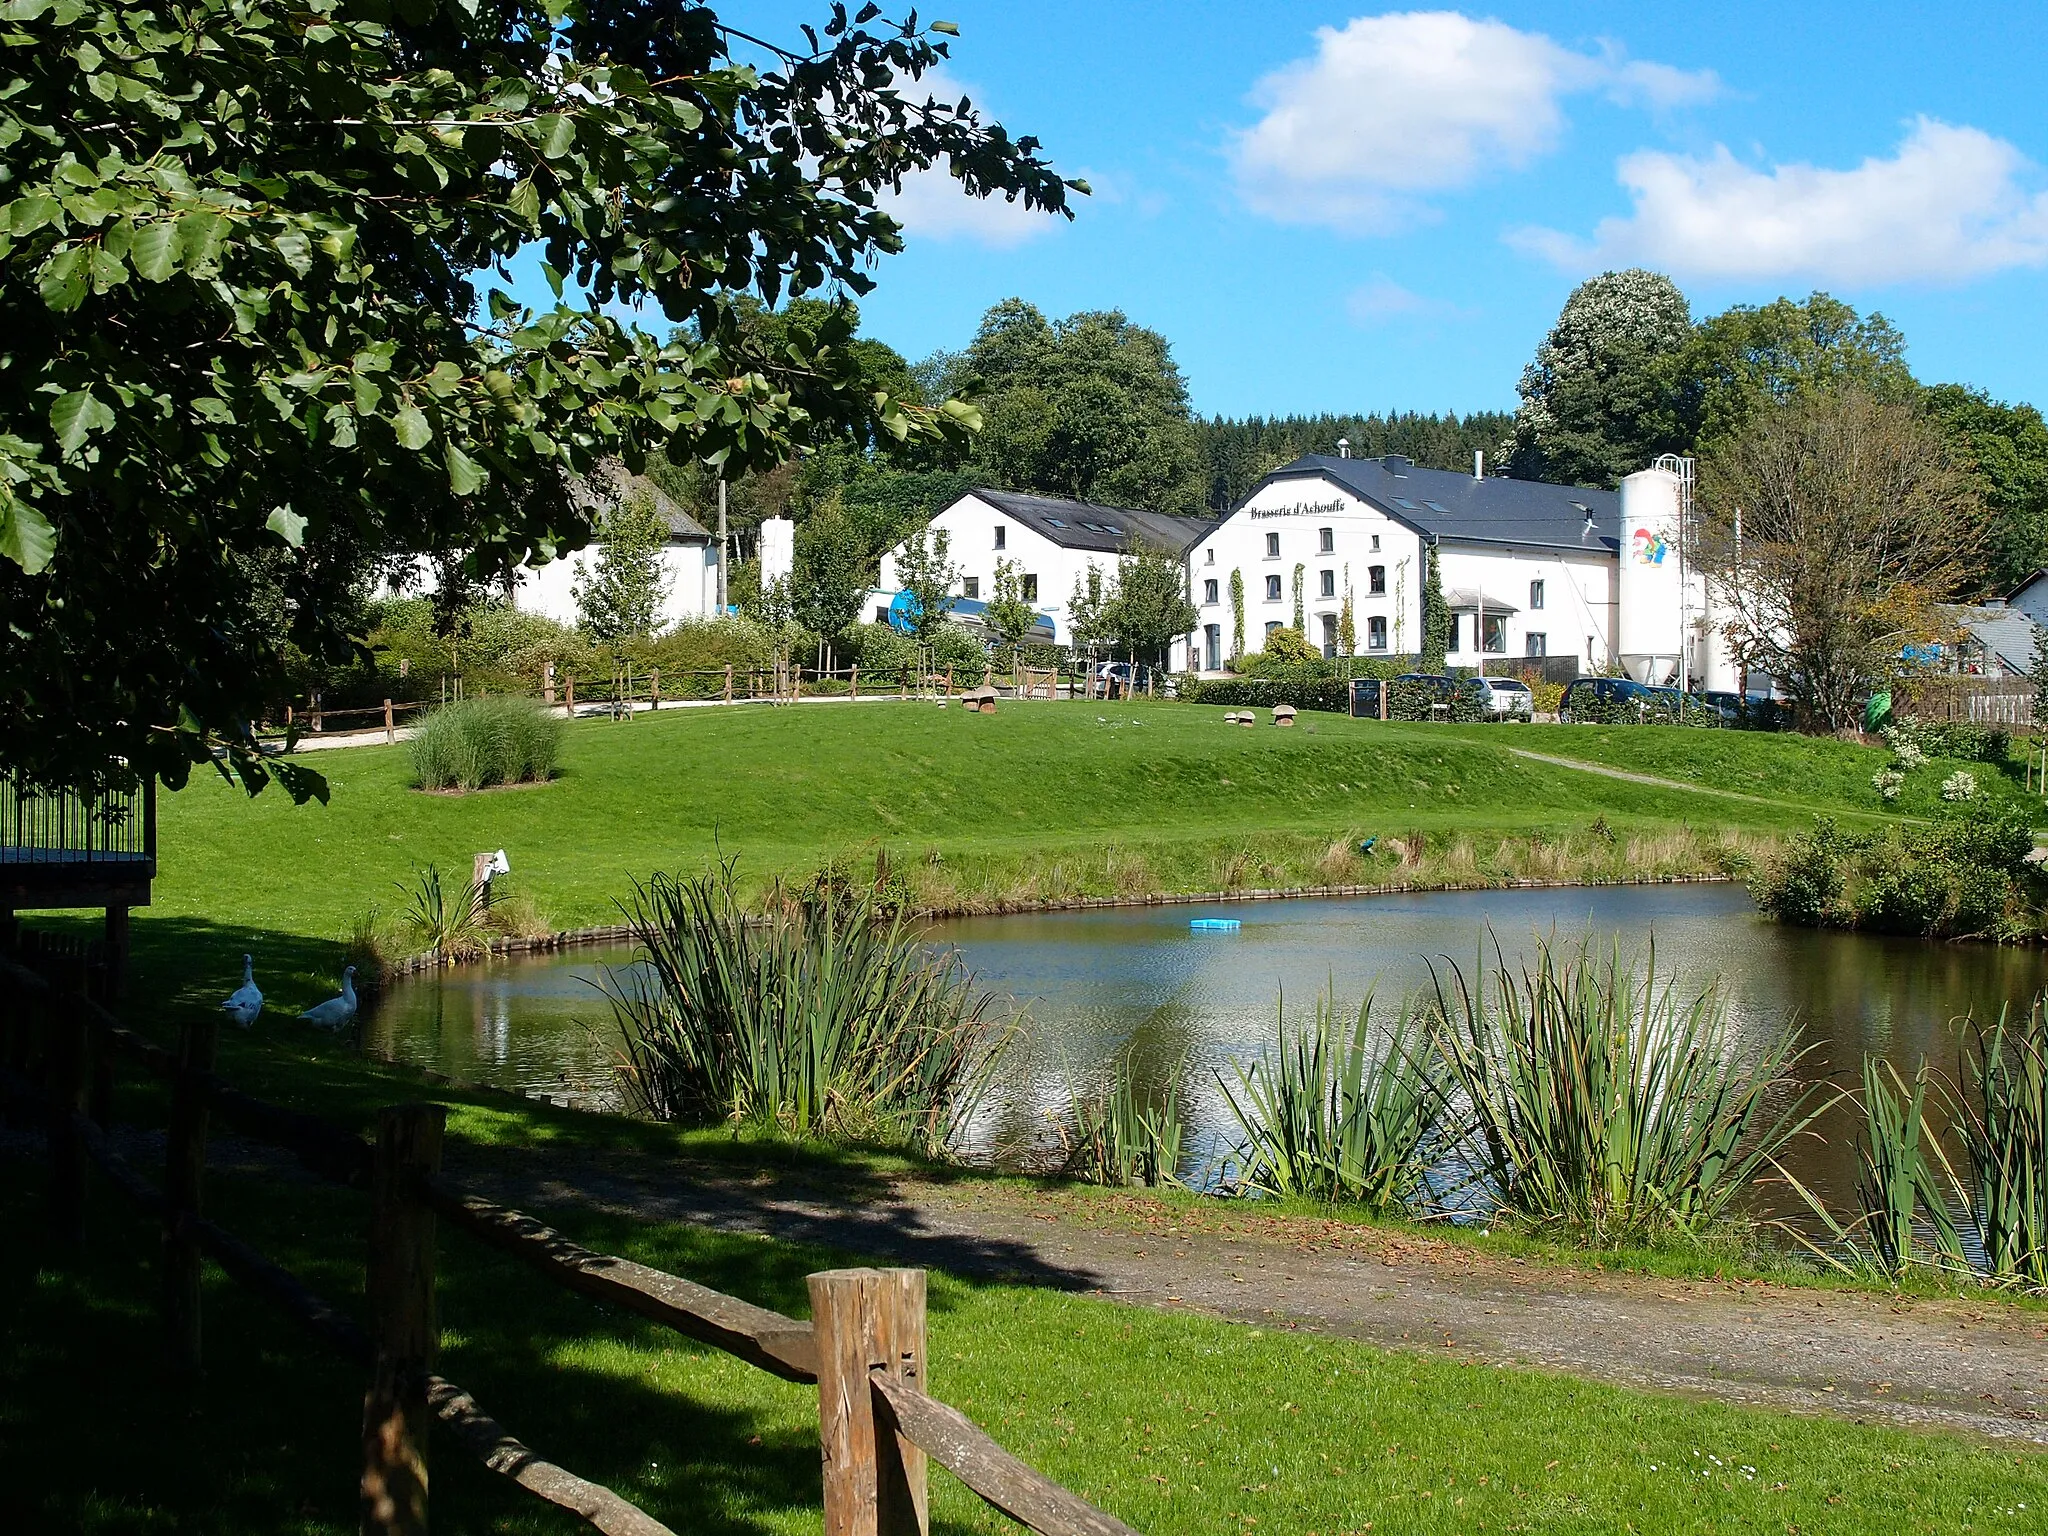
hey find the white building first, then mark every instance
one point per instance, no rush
(1054, 543)
(689, 559)
(1529, 570)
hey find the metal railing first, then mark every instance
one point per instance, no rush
(66, 827)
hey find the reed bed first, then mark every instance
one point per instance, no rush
(823, 1018)
(1121, 1137)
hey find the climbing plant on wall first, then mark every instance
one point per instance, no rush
(1299, 627)
(1236, 614)
(1436, 616)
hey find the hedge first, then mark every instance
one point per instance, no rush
(1330, 695)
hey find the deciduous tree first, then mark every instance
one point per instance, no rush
(925, 570)
(1855, 521)
(620, 587)
(250, 299)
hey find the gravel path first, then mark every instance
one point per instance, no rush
(1979, 1368)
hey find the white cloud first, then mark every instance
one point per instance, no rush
(1953, 203)
(933, 204)
(1396, 106)
(1382, 301)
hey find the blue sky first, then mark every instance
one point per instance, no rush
(1352, 209)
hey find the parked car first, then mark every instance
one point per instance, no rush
(1445, 689)
(1509, 698)
(1604, 699)
(1123, 680)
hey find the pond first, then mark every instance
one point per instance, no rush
(1096, 982)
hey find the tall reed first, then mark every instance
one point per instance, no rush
(480, 742)
(1338, 1113)
(825, 1018)
(451, 924)
(2001, 1110)
(1122, 1137)
(1599, 1100)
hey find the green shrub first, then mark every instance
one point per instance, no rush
(1963, 876)
(1330, 695)
(477, 743)
(1952, 739)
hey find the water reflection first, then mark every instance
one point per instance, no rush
(1095, 983)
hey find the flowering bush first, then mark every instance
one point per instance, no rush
(1888, 782)
(1959, 786)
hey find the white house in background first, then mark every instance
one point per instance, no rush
(1053, 542)
(689, 559)
(1529, 570)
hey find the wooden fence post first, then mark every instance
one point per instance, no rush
(949, 685)
(654, 682)
(390, 725)
(868, 1319)
(316, 713)
(569, 694)
(728, 682)
(547, 682)
(1383, 698)
(403, 1324)
(853, 683)
(67, 1047)
(184, 1179)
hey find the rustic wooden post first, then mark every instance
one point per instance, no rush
(853, 683)
(184, 1180)
(728, 682)
(403, 1325)
(390, 725)
(868, 1319)
(949, 684)
(67, 1100)
(654, 682)
(316, 713)
(1383, 698)
(903, 682)
(547, 682)
(569, 694)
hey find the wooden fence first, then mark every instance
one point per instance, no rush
(2004, 701)
(864, 1348)
(628, 693)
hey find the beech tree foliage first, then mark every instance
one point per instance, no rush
(253, 275)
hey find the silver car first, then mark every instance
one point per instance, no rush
(1509, 698)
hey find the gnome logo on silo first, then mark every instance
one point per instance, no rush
(1650, 547)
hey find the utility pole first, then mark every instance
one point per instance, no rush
(724, 558)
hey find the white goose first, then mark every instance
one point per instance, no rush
(337, 1012)
(245, 1004)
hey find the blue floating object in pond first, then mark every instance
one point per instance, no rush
(1213, 924)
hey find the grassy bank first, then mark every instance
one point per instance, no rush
(1045, 802)
(1175, 1423)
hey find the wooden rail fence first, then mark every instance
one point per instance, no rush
(864, 1348)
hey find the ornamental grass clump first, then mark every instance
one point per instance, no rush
(1601, 1101)
(827, 1019)
(1123, 1137)
(1339, 1112)
(481, 742)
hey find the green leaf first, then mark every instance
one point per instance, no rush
(74, 416)
(464, 478)
(558, 135)
(525, 201)
(296, 250)
(25, 215)
(26, 536)
(62, 280)
(411, 426)
(287, 525)
(950, 29)
(154, 251)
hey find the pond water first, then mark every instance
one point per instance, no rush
(1093, 983)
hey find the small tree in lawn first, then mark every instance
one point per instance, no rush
(1087, 606)
(1436, 616)
(926, 572)
(1151, 608)
(620, 590)
(1008, 616)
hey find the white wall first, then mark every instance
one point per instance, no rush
(1578, 588)
(689, 584)
(970, 526)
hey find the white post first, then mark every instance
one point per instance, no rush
(724, 555)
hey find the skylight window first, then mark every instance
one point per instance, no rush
(1092, 527)
(1405, 504)
(1056, 522)
(1111, 528)
(1437, 506)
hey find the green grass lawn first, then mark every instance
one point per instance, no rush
(1043, 801)
(1174, 1423)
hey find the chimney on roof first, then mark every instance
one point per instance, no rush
(1343, 447)
(1478, 463)
(1396, 463)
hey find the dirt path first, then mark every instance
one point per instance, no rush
(1977, 1368)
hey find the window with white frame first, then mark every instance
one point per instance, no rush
(1376, 580)
(1536, 594)
(1376, 633)
(1209, 591)
(1272, 589)
(970, 586)
(1329, 584)
(1536, 643)
(1326, 540)
(1272, 546)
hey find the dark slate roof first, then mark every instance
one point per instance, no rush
(1449, 505)
(2006, 633)
(609, 484)
(1087, 525)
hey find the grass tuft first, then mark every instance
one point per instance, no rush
(483, 742)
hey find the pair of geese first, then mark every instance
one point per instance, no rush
(245, 1004)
